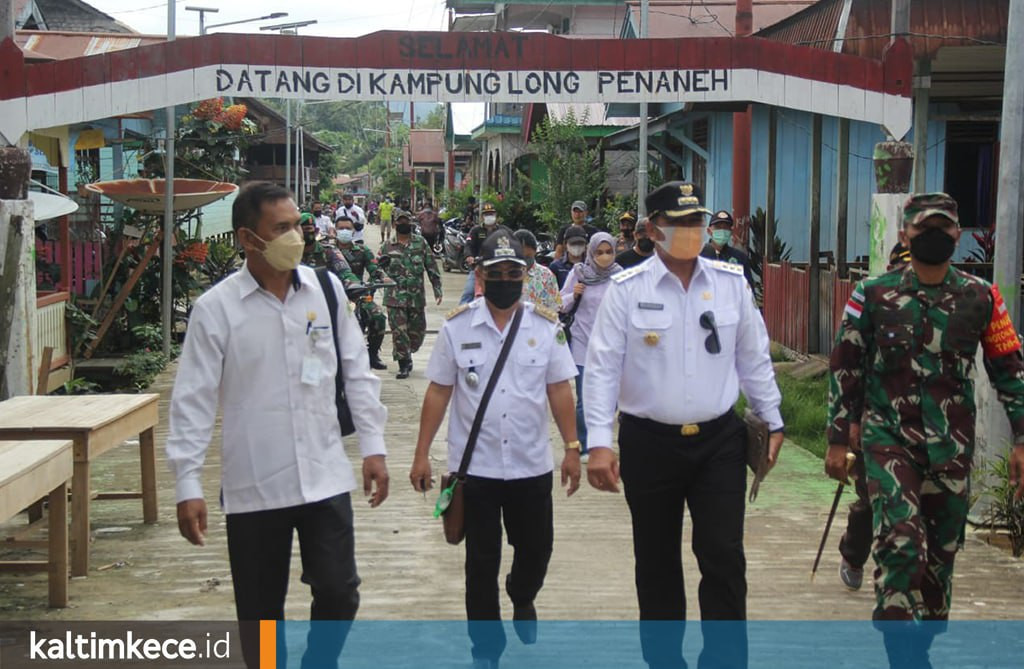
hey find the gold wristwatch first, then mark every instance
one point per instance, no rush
(573, 445)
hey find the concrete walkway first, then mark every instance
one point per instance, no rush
(142, 572)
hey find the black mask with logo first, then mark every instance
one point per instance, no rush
(934, 246)
(403, 228)
(503, 294)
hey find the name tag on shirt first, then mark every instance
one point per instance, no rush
(651, 306)
(472, 345)
(312, 370)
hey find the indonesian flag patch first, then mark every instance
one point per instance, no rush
(999, 338)
(855, 307)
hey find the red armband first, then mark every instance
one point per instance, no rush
(999, 338)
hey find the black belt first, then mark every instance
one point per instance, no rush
(704, 429)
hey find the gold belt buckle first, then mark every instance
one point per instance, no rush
(690, 429)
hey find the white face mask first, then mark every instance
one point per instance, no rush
(490, 219)
(344, 236)
(576, 250)
(285, 252)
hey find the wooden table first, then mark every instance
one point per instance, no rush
(96, 424)
(30, 470)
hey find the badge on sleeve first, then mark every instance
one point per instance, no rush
(999, 338)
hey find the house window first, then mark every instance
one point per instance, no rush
(972, 154)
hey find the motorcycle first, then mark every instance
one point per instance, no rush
(545, 248)
(454, 246)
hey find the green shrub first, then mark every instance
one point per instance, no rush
(1005, 511)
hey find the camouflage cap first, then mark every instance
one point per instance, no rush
(921, 206)
(306, 219)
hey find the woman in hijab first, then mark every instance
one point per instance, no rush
(581, 296)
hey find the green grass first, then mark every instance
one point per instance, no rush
(804, 409)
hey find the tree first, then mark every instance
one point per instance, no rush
(574, 170)
(435, 119)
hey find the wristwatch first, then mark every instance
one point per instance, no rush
(573, 445)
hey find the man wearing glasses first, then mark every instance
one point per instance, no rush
(509, 475)
(665, 327)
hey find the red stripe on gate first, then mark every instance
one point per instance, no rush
(444, 51)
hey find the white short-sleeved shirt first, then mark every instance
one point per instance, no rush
(513, 441)
(647, 351)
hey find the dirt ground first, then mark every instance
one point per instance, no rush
(148, 572)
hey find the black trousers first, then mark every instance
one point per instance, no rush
(855, 544)
(260, 549)
(525, 507)
(662, 472)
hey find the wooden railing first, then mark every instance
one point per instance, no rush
(51, 327)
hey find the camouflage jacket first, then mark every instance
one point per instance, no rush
(323, 256)
(361, 260)
(406, 267)
(903, 359)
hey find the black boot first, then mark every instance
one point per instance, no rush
(373, 344)
(404, 368)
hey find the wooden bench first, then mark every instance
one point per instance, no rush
(30, 470)
(96, 424)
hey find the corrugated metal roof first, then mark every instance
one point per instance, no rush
(933, 24)
(61, 45)
(594, 113)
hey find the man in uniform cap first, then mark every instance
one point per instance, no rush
(509, 476)
(720, 245)
(903, 360)
(627, 224)
(665, 327)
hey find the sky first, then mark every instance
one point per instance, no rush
(335, 18)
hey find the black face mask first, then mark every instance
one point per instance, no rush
(627, 233)
(403, 228)
(933, 246)
(309, 237)
(645, 245)
(503, 294)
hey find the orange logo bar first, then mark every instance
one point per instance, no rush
(268, 644)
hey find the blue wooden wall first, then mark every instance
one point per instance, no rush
(793, 162)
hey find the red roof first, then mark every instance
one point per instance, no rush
(869, 25)
(426, 148)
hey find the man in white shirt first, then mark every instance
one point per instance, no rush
(509, 472)
(355, 214)
(675, 340)
(259, 344)
(324, 224)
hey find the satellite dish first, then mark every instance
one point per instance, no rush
(149, 195)
(49, 206)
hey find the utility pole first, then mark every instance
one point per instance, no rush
(1010, 203)
(167, 254)
(641, 168)
(741, 122)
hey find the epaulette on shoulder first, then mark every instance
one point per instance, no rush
(630, 272)
(545, 313)
(456, 311)
(731, 267)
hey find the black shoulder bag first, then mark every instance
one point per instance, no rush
(344, 413)
(452, 502)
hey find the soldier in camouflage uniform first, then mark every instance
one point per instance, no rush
(407, 258)
(361, 260)
(903, 359)
(316, 255)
